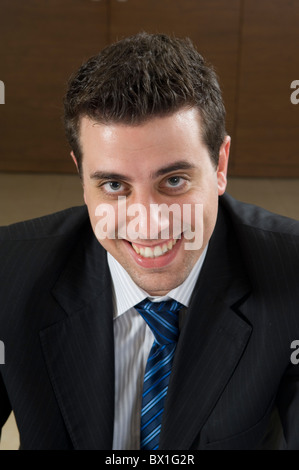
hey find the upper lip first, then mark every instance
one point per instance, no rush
(152, 243)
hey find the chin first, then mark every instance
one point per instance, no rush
(158, 287)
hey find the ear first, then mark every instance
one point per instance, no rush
(222, 165)
(76, 163)
(75, 160)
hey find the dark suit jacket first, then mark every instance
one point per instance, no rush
(233, 385)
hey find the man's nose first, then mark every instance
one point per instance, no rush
(143, 216)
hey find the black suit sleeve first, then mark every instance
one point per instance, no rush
(5, 407)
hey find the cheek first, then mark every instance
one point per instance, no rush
(209, 202)
(93, 219)
(210, 217)
(92, 201)
(86, 195)
(92, 204)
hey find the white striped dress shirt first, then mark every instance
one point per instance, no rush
(133, 340)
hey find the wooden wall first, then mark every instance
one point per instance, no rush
(252, 44)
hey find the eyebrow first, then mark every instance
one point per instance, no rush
(104, 175)
(180, 165)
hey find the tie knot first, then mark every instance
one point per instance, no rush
(162, 318)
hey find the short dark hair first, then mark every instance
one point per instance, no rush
(141, 77)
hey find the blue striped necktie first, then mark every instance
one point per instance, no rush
(162, 318)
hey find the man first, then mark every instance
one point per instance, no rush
(146, 124)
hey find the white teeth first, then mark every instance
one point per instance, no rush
(155, 252)
(158, 251)
(136, 248)
(148, 252)
(164, 248)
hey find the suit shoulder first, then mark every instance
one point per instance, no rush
(257, 219)
(269, 244)
(52, 225)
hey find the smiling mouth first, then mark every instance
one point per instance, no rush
(155, 251)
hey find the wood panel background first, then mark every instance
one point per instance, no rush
(42, 43)
(266, 141)
(251, 44)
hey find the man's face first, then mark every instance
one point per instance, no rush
(163, 161)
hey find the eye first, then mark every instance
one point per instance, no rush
(175, 184)
(174, 181)
(112, 186)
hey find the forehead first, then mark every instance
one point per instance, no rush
(178, 124)
(155, 142)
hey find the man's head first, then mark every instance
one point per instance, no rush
(141, 77)
(145, 121)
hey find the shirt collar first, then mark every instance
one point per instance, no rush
(126, 294)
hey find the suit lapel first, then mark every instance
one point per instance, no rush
(79, 349)
(211, 342)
